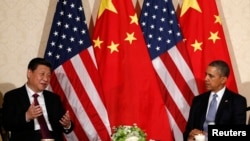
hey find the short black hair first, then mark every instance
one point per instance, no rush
(222, 66)
(38, 61)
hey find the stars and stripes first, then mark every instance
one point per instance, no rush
(68, 34)
(170, 59)
(75, 77)
(160, 26)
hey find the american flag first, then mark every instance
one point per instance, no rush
(169, 57)
(75, 77)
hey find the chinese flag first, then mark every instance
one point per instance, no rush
(203, 32)
(131, 90)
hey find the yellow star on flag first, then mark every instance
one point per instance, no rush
(214, 36)
(196, 45)
(134, 19)
(189, 4)
(217, 19)
(130, 37)
(106, 4)
(97, 42)
(113, 47)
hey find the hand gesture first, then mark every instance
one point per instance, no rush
(33, 112)
(65, 120)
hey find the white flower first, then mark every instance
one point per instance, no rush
(132, 138)
(128, 133)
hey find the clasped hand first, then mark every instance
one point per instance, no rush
(35, 111)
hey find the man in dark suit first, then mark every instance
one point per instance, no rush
(20, 114)
(231, 107)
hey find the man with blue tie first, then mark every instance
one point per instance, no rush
(218, 105)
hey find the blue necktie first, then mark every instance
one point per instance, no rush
(211, 113)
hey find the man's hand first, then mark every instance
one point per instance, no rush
(193, 133)
(65, 120)
(33, 112)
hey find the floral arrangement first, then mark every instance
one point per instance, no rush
(128, 133)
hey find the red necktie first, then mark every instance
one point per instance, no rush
(41, 120)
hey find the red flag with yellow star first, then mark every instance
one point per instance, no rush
(131, 90)
(203, 32)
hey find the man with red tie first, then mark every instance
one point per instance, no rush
(22, 111)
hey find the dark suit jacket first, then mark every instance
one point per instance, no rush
(231, 110)
(16, 103)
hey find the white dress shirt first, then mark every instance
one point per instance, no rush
(41, 101)
(218, 98)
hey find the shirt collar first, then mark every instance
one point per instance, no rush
(31, 92)
(219, 93)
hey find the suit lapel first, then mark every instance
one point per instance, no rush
(47, 101)
(203, 106)
(24, 97)
(223, 104)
